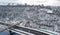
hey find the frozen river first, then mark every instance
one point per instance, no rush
(6, 33)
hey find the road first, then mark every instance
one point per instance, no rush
(29, 30)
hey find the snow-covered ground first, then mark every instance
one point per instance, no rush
(32, 17)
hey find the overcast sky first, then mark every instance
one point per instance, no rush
(35, 2)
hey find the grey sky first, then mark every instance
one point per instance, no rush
(35, 2)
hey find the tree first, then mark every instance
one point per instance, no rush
(8, 4)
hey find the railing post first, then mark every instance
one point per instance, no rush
(11, 33)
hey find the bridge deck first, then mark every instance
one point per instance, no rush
(4, 26)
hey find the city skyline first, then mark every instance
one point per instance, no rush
(32, 2)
